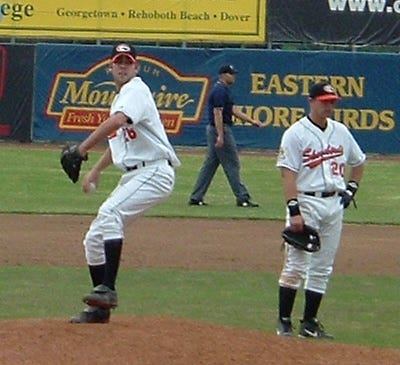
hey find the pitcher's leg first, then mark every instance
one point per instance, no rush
(134, 194)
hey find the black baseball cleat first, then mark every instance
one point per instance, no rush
(197, 202)
(247, 204)
(102, 296)
(284, 327)
(313, 329)
(92, 315)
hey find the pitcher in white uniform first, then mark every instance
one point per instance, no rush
(313, 157)
(139, 146)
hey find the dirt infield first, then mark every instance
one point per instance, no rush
(192, 244)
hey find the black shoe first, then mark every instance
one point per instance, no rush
(197, 202)
(101, 296)
(284, 327)
(92, 315)
(247, 204)
(313, 329)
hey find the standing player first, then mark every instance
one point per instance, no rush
(313, 157)
(221, 142)
(139, 146)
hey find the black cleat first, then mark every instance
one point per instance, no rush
(92, 315)
(284, 327)
(313, 329)
(101, 296)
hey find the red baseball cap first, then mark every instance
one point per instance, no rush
(323, 91)
(123, 49)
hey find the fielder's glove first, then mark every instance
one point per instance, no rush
(348, 194)
(71, 161)
(307, 240)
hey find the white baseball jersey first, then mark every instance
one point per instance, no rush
(142, 187)
(145, 139)
(319, 157)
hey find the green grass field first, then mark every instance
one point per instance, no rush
(34, 183)
(359, 310)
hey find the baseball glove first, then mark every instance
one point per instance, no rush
(307, 240)
(71, 161)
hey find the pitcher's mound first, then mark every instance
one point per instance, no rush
(167, 341)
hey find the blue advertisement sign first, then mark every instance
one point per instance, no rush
(74, 91)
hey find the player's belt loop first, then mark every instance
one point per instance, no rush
(144, 163)
(320, 194)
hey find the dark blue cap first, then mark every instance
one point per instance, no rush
(227, 69)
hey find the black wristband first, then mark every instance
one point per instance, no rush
(293, 206)
(352, 186)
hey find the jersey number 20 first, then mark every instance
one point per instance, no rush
(338, 168)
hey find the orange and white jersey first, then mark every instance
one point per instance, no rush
(319, 157)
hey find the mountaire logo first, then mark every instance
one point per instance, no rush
(81, 101)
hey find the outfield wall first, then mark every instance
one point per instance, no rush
(72, 91)
(16, 94)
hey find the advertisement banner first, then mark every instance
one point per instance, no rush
(186, 20)
(358, 22)
(16, 95)
(74, 91)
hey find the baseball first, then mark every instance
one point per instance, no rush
(92, 188)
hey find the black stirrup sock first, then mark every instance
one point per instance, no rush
(97, 273)
(286, 301)
(312, 303)
(112, 250)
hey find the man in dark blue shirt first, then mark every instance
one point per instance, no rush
(221, 143)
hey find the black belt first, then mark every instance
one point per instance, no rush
(135, 167)
(143, 164)
(320, 194)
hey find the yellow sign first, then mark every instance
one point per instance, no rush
(171, 20)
